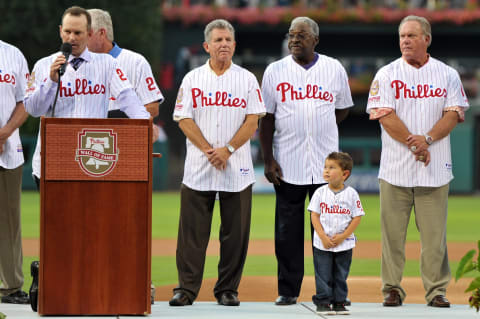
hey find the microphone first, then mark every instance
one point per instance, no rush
(66, 49)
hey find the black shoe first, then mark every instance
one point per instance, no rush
(324, 309)
(347, 302)
(228, 299)
(18, 297)
(34, 267)
(340, 309)
(180, 299)
(285, 301)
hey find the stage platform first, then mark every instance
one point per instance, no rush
(253, 310)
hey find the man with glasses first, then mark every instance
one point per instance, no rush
(306, 95)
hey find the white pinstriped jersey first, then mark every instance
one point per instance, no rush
(139, 73)
(303, 103)
(84, 93)
(418, 97)
(336, 212)
(218, 105)
(13, 80)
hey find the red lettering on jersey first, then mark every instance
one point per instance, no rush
(311, 92)
(151, 84)
(82, 87)
(217, 99)
(121, 75)
(423, 91)
(7, 78)
(334, 209)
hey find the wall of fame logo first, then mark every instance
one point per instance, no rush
(97, 152)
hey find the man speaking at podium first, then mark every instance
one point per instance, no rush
(89, 81)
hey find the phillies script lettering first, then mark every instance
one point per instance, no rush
(334, 209)
(422, 91)
(7, 78)
(216, 99)
(82, 87)
(311, 92)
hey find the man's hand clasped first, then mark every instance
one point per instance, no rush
(218, 157)
(419, 148)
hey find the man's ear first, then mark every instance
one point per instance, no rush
(205, 47)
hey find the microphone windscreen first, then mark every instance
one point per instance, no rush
(66, 48)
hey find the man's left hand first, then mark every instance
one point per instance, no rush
(218, 157)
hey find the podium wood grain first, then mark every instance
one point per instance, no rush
(95, 237)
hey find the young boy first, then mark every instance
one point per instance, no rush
(336, 211)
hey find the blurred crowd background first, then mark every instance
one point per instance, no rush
(362, 34)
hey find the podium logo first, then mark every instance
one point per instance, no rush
(97, 151)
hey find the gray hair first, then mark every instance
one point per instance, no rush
(312, 24)
(218, 24)
(102, 19)
(424, 24)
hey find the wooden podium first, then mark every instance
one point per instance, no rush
(96, 208)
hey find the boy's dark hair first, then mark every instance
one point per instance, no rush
(343, 159)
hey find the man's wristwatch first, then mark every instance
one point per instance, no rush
(428, 139)
(230, 148)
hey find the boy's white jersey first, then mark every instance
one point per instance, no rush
(336, 212)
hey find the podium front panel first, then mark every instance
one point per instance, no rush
(95, 231)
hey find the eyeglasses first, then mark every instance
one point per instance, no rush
(299, 36)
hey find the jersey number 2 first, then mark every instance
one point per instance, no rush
(121, 75)
(151, 83)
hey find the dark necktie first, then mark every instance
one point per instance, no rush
(76, 62)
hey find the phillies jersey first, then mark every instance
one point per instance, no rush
(139, 73)
(418, 97)
(84, 93)
(336, 212)
(303, 102)
(218, 105)
(13, 79)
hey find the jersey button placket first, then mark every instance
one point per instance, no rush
(309, 134)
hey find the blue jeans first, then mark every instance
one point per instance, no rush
(331, 272)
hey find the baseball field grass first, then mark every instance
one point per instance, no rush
(463, 217)
(463, 226)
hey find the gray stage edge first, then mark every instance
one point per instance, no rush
(252, 310)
